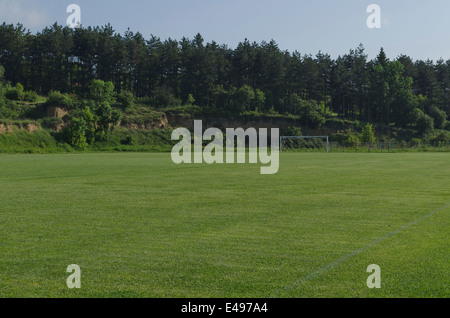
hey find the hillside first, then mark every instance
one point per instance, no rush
(92, 88)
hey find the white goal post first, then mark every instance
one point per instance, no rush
(305, 137)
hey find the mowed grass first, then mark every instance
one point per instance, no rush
(140, 226)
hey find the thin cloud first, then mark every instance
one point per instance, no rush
(17, 11)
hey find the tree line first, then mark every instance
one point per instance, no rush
(253, 77)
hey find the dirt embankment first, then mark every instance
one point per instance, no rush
(175, 119)
(146, 124)
(56, 112)
(4, 128)
(9, 128)
(180, 120)
(32, 127)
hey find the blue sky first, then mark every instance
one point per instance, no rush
(420, 29)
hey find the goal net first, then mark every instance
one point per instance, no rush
(305, 143)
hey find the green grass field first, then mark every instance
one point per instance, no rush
(140, 226)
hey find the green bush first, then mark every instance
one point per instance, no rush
(8, 110)
(56, 98)
(51, 122)
(292, 131)
(143, 137)
(22, 141)
(163, 97)
(368, 134)
(338, 137)
(440, 137)
(423, 123)
(439, 116)
(315, 119)
(346, 138)
(76, 133)
(129, 140)
(415, 142)
(15, 93)
(140, 115)
(101, 91)
(126, 99)
(31, 96)
(352, 140)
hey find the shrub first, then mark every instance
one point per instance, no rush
(415, 141)
(129, 140)
(439, 116)
(51, 122)
(346, 138)
(8, 110)
(39, 141)
(126, 99)
(292, 131)
(338, 137)
(101, 91)
(352, 140)
(56, 98)
(31, 96)
(424, 124)
(75, 134)
(163, 97)
(315, 119)
(15, 93)
(441, 137)
(368, 134)
(146, 100)
(190, 100)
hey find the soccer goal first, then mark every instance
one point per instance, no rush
(305, 143)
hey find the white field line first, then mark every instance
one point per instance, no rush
(343, 259)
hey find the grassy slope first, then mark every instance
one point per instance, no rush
(140, 226)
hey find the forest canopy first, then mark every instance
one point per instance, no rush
(253, 77)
